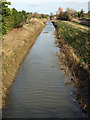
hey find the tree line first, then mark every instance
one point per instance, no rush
(11, 18)
(68, 14)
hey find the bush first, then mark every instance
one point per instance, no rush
(5, 13)
(64, 16)
(12, 18)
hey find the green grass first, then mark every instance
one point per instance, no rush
(77, 39)
(30, 24)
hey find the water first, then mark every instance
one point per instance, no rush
(39, 90)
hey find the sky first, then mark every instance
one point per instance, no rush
(48, 6)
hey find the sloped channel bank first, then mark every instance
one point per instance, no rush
(15, 46)
(74, 68)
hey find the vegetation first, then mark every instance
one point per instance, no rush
(77, 39)
(44, 16)
(12, 18)
(51, 15)
(37, 15)
(87, 26)
(69, 14)
(64, 16)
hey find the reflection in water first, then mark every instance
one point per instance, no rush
(39, 90)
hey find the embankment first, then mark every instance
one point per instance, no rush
(15, 46)
(72, 59)
(82, 21)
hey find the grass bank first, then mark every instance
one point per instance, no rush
(15, 46)
(77, 38)
(74, 53)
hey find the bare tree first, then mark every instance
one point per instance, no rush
(60, 10)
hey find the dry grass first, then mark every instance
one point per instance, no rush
(15, 46)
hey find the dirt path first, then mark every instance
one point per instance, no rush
(77, 26)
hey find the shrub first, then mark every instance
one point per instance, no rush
(64, 16)
(12, 18)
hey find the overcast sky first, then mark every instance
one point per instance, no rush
(48, 6)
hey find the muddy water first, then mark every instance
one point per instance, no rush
(39, 90)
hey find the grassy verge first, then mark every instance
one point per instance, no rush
(77, 39)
